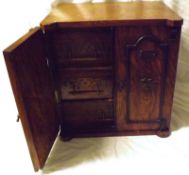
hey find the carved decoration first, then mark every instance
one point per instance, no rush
(147, 54)
(83, 44)
(148, 83)
(86, 87)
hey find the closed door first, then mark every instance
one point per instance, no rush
(142, 55)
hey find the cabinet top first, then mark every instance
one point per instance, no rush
(111, 12)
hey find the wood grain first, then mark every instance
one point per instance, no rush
(145, 79)
(113, 12)
(137, 102)
(34, 94)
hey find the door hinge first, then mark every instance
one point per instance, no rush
(43, 31)
(57, 97)
(47, 61)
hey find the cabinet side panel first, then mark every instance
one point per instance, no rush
(174, 41)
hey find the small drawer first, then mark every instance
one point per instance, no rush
(86, 83)
(87, 114)
(83, 47)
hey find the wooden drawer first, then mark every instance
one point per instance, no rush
(83, 47)
(86, 83)
(87, 114)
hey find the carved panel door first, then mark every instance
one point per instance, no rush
(142, 57)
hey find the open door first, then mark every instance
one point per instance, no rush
(34, 94)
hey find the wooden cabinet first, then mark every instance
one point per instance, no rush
(95, 74)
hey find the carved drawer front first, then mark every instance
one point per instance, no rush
(83, 47)
(86, 83)
(87, 114)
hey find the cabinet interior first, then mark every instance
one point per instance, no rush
(83, 61)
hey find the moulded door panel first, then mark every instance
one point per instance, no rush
(141, 73)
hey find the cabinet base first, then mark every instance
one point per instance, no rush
(68, 137)
(163, 134)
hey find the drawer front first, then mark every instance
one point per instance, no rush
(86, 83)
(86, 114)
(83, 47)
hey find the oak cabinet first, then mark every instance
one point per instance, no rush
(85, 76)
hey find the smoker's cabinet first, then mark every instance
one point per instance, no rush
(95, 74)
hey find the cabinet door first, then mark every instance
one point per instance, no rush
(142, 69)
(34, 94)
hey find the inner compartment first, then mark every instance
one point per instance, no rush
(84, 71)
